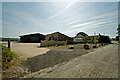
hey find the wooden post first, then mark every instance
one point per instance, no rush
(8, 43)
(40, 43)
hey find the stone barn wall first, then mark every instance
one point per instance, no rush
(59, 37)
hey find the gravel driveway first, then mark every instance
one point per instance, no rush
(48, 59)
(102, 63)
(62, 62)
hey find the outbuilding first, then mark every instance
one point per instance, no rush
(32, 38)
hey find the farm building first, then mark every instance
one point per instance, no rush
(57, 36)
(81, 35)
(32, 38)
(85, 36)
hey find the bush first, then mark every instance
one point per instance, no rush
(99, 45)
(86, 47)
(95, 46)
(102, 44)
(7, 57)
(71, 47)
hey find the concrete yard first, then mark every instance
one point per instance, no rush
(27, 50)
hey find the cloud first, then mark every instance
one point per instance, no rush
(20, 22)
(68, 6)
(82, 24)
(108, 15)
(87, 28)
(100, 23)
(92, 23)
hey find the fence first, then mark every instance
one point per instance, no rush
(52, 43)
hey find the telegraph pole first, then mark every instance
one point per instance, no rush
(94, 33)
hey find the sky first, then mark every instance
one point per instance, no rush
(59, 0)
(0, 19)
(20, 18)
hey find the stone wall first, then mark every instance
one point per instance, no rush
(52, 43)
(59, 37)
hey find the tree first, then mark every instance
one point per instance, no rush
(118, 31)
(117, 38)
(104, 39)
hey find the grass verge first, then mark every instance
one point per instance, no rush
(8, 57)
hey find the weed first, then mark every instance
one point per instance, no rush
(7, 57)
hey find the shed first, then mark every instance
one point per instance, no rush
(32, 38)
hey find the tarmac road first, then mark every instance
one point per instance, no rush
(102, 63)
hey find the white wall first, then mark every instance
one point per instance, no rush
(77, 39)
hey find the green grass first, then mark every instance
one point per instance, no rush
(7, 57)
(118, 41)
(51, 46)
(64, 45)
(90, 41)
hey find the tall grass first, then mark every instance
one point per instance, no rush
(119, 41)
(7, 57)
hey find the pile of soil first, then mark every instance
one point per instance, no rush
(50, 59)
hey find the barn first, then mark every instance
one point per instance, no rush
(81, 35)
(57, 36)
(32, 38)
